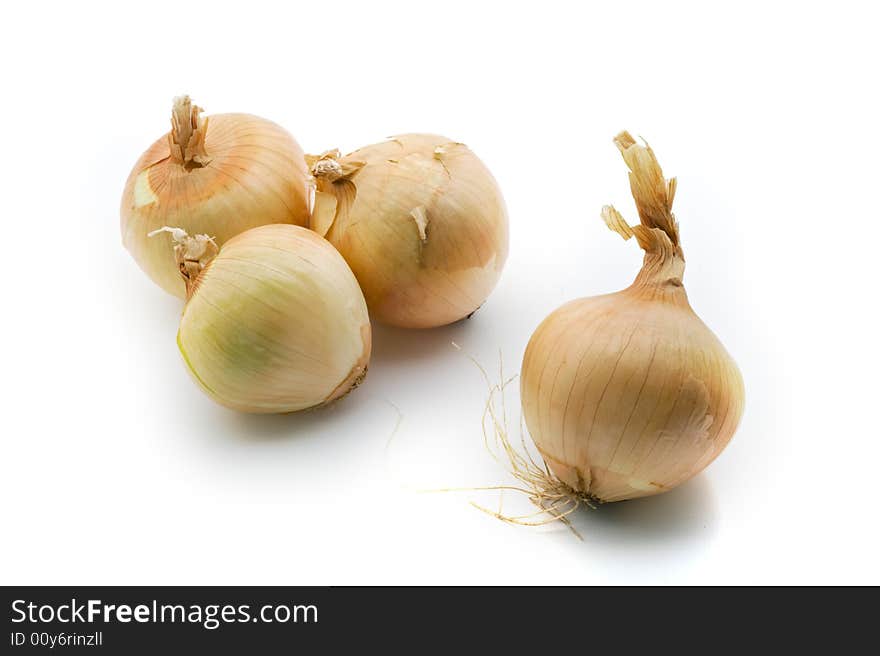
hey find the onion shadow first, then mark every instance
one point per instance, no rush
(317, 422)
(681, 514)
(394, 345)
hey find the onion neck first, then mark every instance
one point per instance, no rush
(193, 254)
(325, 168)
(657, 232)
(660, 278)
(331, 168)
(187, 136)
(335, 191)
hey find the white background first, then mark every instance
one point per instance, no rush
(116, 469)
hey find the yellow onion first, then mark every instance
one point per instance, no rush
(220, 176)
(274, 322)
(421, 222)
(630, 394)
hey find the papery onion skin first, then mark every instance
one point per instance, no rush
(276, 323)
(422, 223)
(631, 394)
(253, 173)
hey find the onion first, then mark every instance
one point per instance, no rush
(274, 322)
(421, 222)
(630, 394)
(220, 176)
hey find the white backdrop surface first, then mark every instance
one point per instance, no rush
(116, 469)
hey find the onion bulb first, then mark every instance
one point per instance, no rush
(220, 176)
(421, 222)
(274, 321)
(630, 394)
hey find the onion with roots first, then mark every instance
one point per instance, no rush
(630, 394)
